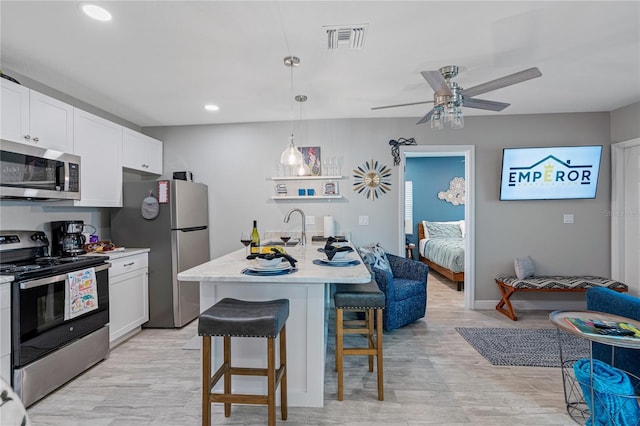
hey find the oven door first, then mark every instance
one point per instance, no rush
(38, 315)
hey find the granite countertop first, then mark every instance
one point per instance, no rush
(229, 268)
(6, 279)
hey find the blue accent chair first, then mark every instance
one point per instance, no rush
(405, 290)
(612, 302)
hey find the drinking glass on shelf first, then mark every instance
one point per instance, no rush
(245, 238)
(331, 163)
(340, 163)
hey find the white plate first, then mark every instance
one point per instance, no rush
(281, 267)
(337, 261)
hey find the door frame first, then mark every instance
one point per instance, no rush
(617, 206)
(468, 151)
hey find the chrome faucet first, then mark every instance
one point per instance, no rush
(303, 236)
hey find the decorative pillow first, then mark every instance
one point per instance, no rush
(375, 257)
(444, 230)
(524, 267)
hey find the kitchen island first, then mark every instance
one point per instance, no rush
(308, 292)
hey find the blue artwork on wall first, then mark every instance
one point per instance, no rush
(430, 176)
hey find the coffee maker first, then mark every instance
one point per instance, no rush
(67, 238)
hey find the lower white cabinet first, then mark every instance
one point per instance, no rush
(5, 332)
(128, 296)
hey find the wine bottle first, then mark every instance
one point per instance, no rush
(255, 238)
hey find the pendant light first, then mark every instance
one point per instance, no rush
(292, 156)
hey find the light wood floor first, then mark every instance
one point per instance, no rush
(432, 376)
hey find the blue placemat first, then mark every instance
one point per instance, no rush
(323, 263)
(251, 272)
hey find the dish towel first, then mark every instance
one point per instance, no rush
(614, 402)
(81, 293)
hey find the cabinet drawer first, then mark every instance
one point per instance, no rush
(5, 295)
(127, 264)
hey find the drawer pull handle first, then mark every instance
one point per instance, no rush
(129, 264)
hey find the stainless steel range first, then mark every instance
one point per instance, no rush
(59, 313)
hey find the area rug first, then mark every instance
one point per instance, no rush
(525, 347)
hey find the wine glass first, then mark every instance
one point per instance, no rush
(285, 237)
(340, 163)
(245, 238)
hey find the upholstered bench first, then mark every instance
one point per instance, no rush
(509, 284)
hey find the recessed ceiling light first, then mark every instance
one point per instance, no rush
(96, 12)
(211, 107)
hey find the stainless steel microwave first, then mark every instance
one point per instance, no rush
(30, 172)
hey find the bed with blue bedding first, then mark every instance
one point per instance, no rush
(441, 247)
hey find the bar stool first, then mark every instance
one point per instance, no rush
(359, 297)
(239, 318)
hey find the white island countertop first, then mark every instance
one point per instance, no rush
(308, 291)
(229, 268)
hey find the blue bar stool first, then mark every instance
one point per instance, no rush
(359, 297)
(238, 318)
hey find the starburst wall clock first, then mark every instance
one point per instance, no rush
(372, 179)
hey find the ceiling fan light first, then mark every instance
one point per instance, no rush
(436, 120)
(458, 121)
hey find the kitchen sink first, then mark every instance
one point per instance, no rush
(281, 243)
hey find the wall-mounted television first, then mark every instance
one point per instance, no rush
(550, 173)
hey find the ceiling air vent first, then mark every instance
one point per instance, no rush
(346, 37)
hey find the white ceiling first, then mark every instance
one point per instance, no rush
(158, 62)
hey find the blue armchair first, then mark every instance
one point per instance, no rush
(405, 290)
(605, 300)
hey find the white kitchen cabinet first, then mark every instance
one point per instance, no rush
(36, 119)
(128, 296)
(5, 332)
(141, 152)
(99, 144)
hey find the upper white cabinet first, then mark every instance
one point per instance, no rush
(33, 118)
(141, 152)
(99, 144)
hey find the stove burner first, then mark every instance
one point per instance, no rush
(16, 269)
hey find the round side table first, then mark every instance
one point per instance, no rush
(577, 405)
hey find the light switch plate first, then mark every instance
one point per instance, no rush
(568, 218)
(311, 220)
(363, 220)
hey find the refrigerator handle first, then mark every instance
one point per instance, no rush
(193, 228)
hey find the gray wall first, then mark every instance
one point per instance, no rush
(625, 123)
(240, 190)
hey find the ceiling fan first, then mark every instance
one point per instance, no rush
(448, 97)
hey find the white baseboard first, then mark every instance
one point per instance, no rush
(535, 305)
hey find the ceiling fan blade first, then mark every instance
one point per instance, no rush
(484, 104)
(425, 118)
(437, 82)
(505, 81)
(401, 105)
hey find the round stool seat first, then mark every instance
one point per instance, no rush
(241, 318)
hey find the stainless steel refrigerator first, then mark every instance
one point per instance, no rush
(178, 238)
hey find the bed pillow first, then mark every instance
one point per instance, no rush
(375, 257)
(443, 230)
(524, 267)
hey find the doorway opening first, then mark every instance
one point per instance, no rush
(468, 152)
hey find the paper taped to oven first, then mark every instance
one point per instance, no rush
(81, 293)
